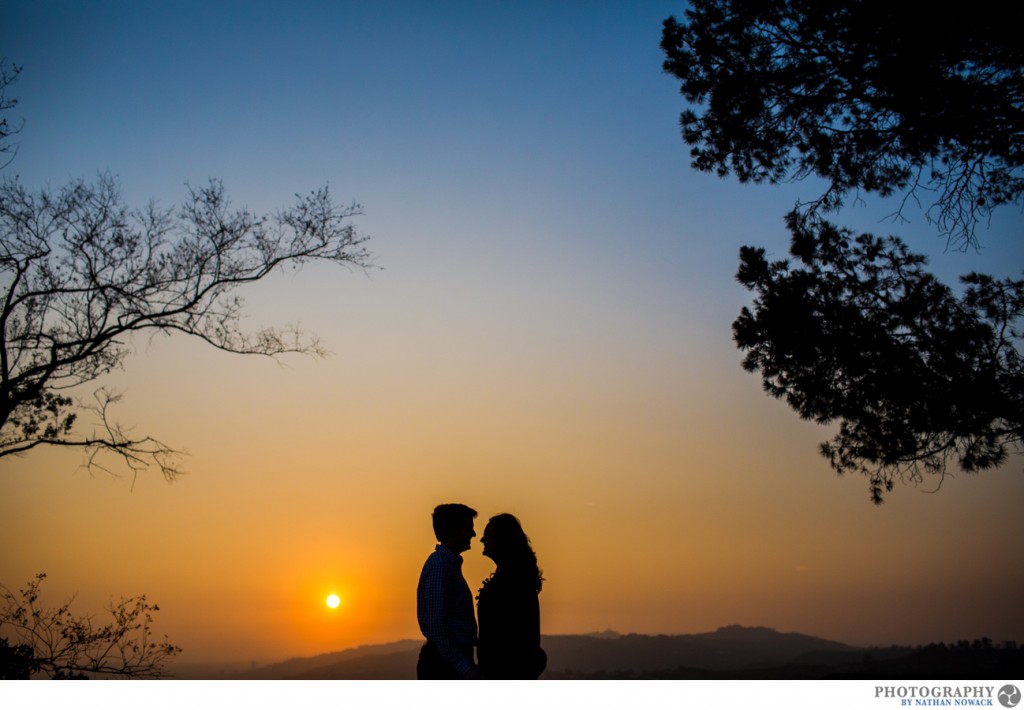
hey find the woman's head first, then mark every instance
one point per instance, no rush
(505, 542)
(504, 537)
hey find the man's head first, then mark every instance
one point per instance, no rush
(453, 525)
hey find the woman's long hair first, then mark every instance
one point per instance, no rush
(515, 555)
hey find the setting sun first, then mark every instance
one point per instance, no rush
(333, 601)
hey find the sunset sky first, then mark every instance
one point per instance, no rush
(548, 334)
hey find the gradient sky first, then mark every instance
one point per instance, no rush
(549, 335)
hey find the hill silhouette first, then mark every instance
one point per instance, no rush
(729, 653)
(388, 661)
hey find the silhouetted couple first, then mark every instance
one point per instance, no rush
(508, 646)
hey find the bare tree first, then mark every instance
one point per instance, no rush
(58, 644)
(8, 75)
(81, 272)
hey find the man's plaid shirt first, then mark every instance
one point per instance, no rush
(444, 607)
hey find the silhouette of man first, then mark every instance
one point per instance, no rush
(444, 604)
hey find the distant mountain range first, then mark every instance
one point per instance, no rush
(731, 652)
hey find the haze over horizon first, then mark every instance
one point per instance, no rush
(549, 335)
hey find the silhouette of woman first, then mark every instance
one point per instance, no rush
(508, 610)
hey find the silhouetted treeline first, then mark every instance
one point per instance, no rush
(970, 660)
(967, 660)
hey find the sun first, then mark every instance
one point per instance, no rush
(333, 601)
